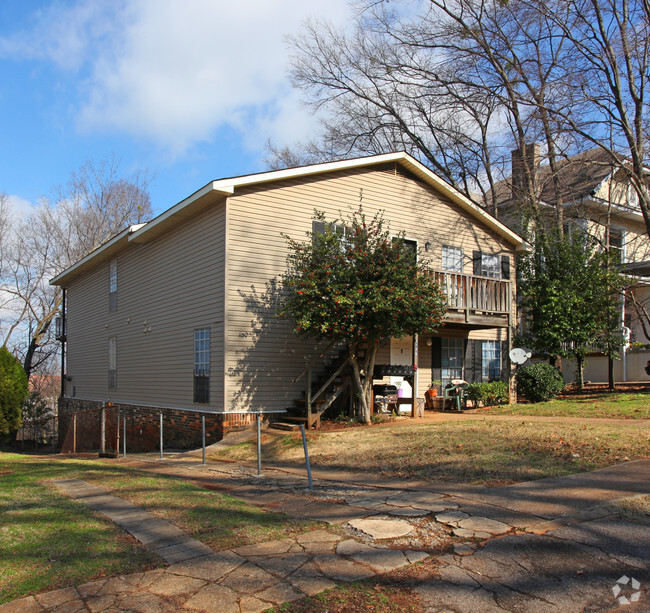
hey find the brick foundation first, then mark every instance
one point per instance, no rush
(80, 427)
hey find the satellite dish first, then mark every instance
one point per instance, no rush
(519, 355)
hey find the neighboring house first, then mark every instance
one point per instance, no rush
(177, 315)
(599, 200)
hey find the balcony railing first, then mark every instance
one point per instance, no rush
(472, 293)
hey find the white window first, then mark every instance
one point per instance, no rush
(451, 359)
(202, 365)
(112, 362)
(452, 259)
(112, 285)
(491, 360)
(490, 266)
(617, 242)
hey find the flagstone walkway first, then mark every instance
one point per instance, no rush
(540, 516)
(246, 579)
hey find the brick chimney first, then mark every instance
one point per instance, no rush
(530, 160)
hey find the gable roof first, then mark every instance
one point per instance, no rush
(580, 176)
(218, 189)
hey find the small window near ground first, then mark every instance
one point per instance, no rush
(112, 285)
(112, 363)
(202, 365)
(491, 361)
(452, 259)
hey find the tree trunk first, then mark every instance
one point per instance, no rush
(579, 371)
(610, 372)
(362, 377)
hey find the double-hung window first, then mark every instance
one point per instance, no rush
(617, 243)
(452, 259)
(202, 365)
(112, 285)
(112, 363)
(491, 265)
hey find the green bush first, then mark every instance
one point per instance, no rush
(488, 394)
(539, 382)
(13, 391)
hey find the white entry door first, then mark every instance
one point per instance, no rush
(401, 354)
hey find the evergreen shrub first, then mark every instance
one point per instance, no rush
(539, 382)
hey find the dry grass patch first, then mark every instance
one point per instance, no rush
(481, 451)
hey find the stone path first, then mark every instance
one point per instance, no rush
(547, 545)
(246, 579)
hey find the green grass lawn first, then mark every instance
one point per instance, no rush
(613, 405)
(477, 451)
(49, 541)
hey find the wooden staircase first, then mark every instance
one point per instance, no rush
(318, 397)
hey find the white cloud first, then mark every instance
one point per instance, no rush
(62, 34)
(19, 208)
(179, 71)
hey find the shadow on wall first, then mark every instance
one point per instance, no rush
(269, 355)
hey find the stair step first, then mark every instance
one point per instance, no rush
(302, 420)
(279, 425)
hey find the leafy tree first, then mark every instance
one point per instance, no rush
(13, 391)
(356, 283)
(570, 294)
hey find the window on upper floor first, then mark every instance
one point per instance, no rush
(491, 265)
(452, 259)
(411, 247)
(202, 365)
(112, 363)
(617, 243)
(112, 285)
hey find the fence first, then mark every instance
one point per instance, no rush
(104, 428)
(40, 433)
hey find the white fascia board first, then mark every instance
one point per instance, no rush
(521, 246)
(159, 222)
(110, 246)
(227, 187)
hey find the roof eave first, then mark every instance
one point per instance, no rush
(106, 250)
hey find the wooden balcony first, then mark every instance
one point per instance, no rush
(475, 301)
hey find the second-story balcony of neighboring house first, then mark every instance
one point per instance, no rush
(475, 301)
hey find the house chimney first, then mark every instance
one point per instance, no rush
(529, 160)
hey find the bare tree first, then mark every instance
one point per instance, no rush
(96, 204)
(607, 51)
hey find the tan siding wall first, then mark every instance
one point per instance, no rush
(263, 356)
(166, 289)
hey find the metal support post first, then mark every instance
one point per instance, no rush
(161, 437)
(259, 444)
(203, 436)
(124, 437)
(304, 446)
(102, 444)
(74, 433)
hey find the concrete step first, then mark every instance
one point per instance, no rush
(279, 425)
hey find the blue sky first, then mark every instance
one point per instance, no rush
(187, 90)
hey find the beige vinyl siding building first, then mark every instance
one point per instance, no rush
(599, 201)
(213, 262)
